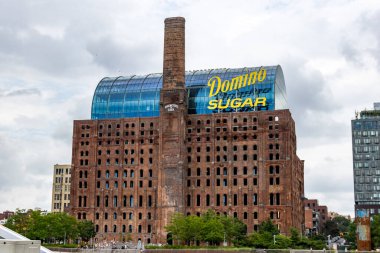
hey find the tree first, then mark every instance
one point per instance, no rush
(268, 226)
(265, 237)
(177, 227)
(35, 226)
(351, 235)
(20, 221)
(295, 237)
(235, 230)
(210, 228)
(375, 231)
(62, 226)
(86, 230)
(342, 223)
(331, 228)
(268, 237)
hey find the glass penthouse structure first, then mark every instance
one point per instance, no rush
(139, 96)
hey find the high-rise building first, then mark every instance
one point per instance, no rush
(61, 187)
(220, 139)
(366, 159)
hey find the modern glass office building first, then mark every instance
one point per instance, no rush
(366, 159)
(139, 96)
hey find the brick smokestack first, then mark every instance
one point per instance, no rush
(174, 53)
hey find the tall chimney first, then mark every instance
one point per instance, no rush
(174, 53)
(172, 127)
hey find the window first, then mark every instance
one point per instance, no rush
(207, 200)
(106, 201)
(255, 199)
(235, 199)
(124, 201)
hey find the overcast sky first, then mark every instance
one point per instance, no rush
(53, 53)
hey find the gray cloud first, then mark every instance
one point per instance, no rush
(371, 24)
(20, 92)
(307, 88)
(115, 56)
(312, 103)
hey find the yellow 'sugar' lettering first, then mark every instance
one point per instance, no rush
(236, 103)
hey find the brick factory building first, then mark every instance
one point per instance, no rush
(220, 139)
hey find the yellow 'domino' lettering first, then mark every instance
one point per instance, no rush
(216, 85)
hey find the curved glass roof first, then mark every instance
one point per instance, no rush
(138, 96)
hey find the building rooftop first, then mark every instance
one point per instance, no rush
(139, 96)
(367, 114)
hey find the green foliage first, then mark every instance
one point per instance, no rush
(210, 228)
(350, 236)
(375, 231)
(295, 237)
(331, 228)
(235, 230)
(268, 237)
(268, 226)
(50, 227)
(343, 224)
(213, 229)
(86, 230)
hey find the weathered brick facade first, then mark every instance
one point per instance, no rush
(138, 171)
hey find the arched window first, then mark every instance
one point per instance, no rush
(115, 201)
